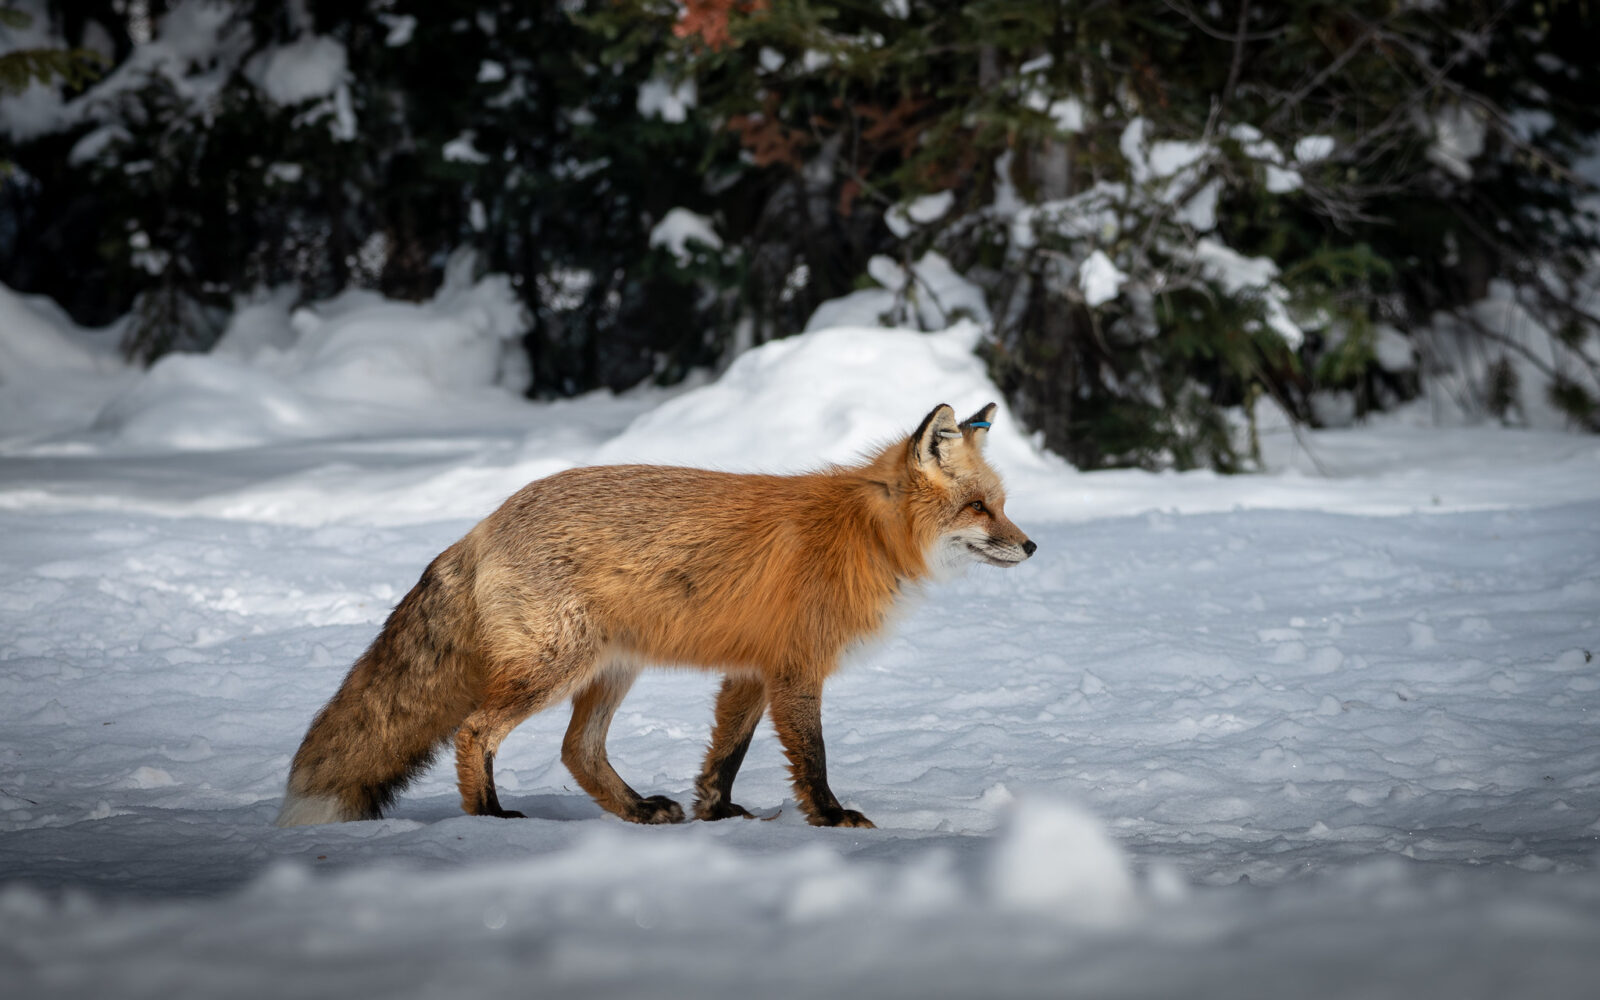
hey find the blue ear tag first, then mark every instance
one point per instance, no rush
(979, 423)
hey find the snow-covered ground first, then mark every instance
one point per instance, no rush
(1330, 730)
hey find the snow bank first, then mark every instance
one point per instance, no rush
(828, 396)
(38, 337)
(53, 374)
(341, 367)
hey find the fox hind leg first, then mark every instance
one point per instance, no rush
(584, 752)
(739, 708)
(477, 741)
(511, 696)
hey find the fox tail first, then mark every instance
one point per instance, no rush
(403, 698)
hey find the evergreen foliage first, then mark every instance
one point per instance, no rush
(1173, 211)
(1441, 135)
(20, 67)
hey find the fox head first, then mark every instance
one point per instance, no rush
(959, 500)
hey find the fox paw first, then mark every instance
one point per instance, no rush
(841, 817)
(722, 810)
(657, 809)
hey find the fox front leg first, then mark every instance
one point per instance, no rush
(796, 710)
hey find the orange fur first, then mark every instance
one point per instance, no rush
(580, 578)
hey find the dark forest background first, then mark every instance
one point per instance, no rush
(1396, 162)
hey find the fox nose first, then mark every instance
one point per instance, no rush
(1028, 546)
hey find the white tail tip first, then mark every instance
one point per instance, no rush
(310, 810)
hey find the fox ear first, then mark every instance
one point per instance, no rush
(976, 427)
(935, 434)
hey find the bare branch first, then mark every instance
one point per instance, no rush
(1239, 35)
(1290, 101)
(1435, 75)
(1527, 353)
(1233, 69)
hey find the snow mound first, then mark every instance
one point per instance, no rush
(36, 338)
(328, 370)
(52, 372)
(826, 396)
(1054, 858)
(200, 402)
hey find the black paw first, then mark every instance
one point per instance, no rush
(657, 809)
(841, 817)
(722, 810)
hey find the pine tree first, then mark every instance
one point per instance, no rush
(1255, 184)
(1173, 213)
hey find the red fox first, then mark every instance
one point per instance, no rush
(582, 577)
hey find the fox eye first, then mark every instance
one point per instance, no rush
(978, 506)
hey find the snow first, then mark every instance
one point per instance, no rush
(929, 295)
(1459, 362)
(1068, 114)
(820, 398)
(93, 143)
(1392, 350)
(1459, 132)
(344, 366)
(1236, 273)
(463, 149)
(929, 207)
(666, 100)
(198, 44)
(1311, 148)
(1281, 181)
(681, 227)
(401, 29)
(1200, 212)
(36, 338)
(1099, 279)
(902, 219)
(1323, 731)
(310, 67)
(867, 307)
(1091, 214)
